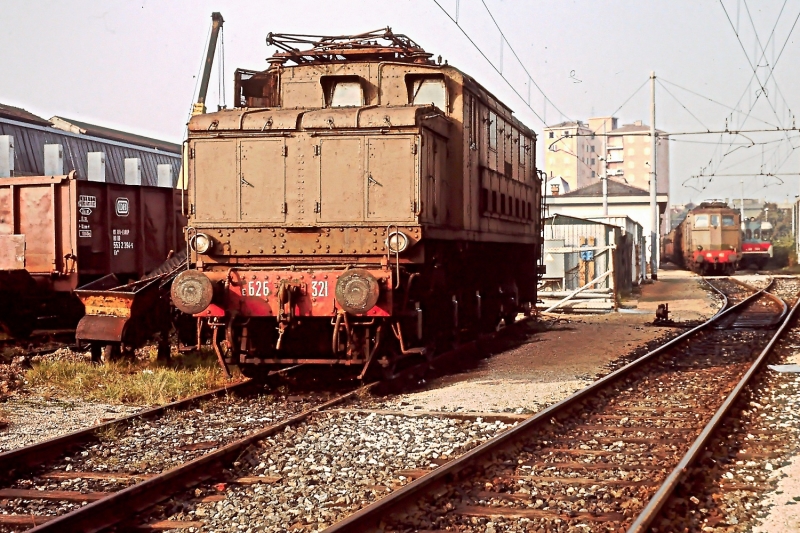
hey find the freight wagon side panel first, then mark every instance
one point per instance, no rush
(124, 229)
(37, 222)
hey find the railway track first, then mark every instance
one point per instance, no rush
(90, 480)
(608, 457)
(726, 488)
(41, 481)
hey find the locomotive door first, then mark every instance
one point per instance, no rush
(341, 180)
(214, 194)
(390, 179)
(434, 186)
(262, 180)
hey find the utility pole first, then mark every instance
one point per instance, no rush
(604, 177)
(741, 205)
(654, 241)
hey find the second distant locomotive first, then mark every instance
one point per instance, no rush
(708, 241)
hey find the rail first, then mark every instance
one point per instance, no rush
(650, 512)
(116, 507)
(370, 517)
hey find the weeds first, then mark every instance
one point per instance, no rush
(143, 381)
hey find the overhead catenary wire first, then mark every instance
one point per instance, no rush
(483, 54)
(521, 64)
(755, 72)
(682, 105)
(662, 80)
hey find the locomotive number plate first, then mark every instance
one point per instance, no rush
(256, 288)
(319, 289)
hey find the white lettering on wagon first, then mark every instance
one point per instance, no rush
(120, 238)
(85, 200)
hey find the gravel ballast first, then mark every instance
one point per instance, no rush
(328, 468)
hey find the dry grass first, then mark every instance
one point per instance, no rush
(141, 382)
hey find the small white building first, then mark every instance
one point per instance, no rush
(623, 201)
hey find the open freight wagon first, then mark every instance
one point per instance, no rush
(58, 233)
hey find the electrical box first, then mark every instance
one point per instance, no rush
(96, 166)
(6, 156)
(165, 175)
(133, 171)
(53, 160)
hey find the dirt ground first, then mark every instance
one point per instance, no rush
(567, 355)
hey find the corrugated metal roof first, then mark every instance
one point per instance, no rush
(17, 113)
(102, 132)
(29, 141)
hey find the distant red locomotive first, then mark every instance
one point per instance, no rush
(708, 241)
(756, 246)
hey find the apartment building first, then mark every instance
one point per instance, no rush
(580, 153)
(571, 153)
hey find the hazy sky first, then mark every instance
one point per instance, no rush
(133, 66)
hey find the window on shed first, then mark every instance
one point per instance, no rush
(522, 149)
(551, 135)
(492, 126)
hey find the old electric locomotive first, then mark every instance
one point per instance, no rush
(361, 204)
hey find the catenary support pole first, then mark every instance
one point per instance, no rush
(654, 231)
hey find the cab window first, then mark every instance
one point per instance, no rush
(701, 221)
(727, 221)
(429, 91)
(347, 94)
(715, 221)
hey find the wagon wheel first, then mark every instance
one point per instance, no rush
(111, 352)
(97, 352)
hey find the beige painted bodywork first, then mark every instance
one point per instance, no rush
(303, 179)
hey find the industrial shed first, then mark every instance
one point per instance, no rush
(590, 263)
(23, 137)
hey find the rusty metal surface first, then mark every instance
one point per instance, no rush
(129, 313)
(101, 328)
(12, 252)
(77, 230)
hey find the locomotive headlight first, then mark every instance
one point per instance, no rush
(397, 242)
(357, 291)
(200, 243)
